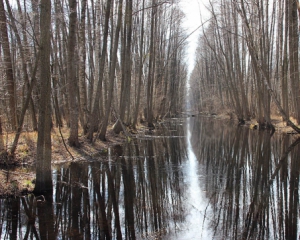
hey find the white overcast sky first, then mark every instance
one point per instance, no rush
(196, 13)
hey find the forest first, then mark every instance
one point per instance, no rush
(247, 61)
(85, 65)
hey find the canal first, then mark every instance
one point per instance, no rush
(193, 178)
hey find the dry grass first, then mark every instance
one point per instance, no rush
(26, 150)
(18, 179)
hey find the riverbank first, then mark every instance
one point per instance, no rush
(276, 120)
(19, 179)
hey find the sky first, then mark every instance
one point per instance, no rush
(196, 14)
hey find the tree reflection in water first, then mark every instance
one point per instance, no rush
(251, 181)
(247, 181)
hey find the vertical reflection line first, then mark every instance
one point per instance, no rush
(197, 203)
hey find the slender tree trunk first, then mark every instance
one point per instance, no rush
(126, 67)
(95, 111)
(10, 83)
(293, 59)
(150, 83)
(128, 61)
(284, 69)
(72, 79)
(82, 74)
(112, 73)
(140, 66)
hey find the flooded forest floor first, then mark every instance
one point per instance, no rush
(19, 180)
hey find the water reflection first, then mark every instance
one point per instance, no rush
(219, 182)
(251, 181)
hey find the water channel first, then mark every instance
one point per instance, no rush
(195, 178)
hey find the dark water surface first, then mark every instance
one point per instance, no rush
(198, 179)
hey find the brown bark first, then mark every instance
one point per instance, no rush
(96, 107)
(72, 79)
(112, 73)
(140, 66)
(82, 74)
(150, 81)
(293, 55)
(43, 162)
(10, 83)
(2, 148)
(124, 109)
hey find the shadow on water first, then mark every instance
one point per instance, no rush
(219, 182)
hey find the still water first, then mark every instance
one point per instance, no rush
(197, 178)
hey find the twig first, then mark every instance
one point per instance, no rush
(98, 133)
(127, 134)
(66, 147)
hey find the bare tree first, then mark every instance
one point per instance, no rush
(72, 78)
(126, 67)
(82, 68)
(112, 74)
(93, 120)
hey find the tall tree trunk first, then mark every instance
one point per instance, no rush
(82, 74)
(140, 66)
(10, 83)
(95, 111)
(294, 62)
(124, 109)
(112, 73)
(150, 83)
(128, 61)
(72, 78)
(284, 67)
(43, 162)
